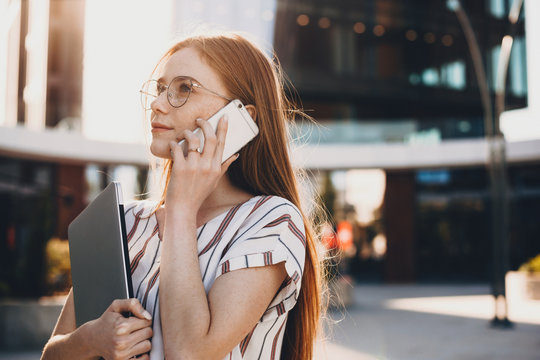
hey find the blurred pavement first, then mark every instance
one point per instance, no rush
(424, 322)
(421, 322)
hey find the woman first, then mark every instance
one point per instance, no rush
(226, 266)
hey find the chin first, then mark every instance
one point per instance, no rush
(160, 150)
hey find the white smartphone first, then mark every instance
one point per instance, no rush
(241, 130)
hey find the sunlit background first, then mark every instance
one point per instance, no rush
(399, 152)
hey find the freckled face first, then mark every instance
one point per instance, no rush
(168, 123)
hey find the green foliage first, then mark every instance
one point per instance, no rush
(58, 267)
(532, 266)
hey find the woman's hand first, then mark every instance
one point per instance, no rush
(195, 176)
(115, 337)
(112, 336)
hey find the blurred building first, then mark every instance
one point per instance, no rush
(391, 83)
(45, 152)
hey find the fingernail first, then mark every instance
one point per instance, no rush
(147, 315)
(237, 155)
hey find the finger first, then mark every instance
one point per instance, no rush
(133, 324)
(140, 348)
(210, 139)
(177, 154)
(193, 142)
(130, 305)
(140, 335)
(228, 163)
(221, 134)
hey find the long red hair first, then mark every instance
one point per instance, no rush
(264, 167)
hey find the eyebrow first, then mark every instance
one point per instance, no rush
(161, 80)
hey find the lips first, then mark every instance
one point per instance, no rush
(158, 127)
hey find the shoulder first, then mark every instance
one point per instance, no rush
(271, 209)
(272, 231)
(272, 217)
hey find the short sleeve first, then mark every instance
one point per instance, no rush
(272, 234)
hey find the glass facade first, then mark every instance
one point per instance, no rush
(27, 221)
(452, 225)
(400, 63)
(453, 222)
(40, 200)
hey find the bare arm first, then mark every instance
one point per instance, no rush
(111, 336)
(199, 327)
(67, 341)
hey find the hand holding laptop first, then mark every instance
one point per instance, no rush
(118, 337)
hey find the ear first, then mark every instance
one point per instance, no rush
(252, 111)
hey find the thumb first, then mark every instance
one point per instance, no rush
(130, 305)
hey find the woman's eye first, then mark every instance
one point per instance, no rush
(184, 87)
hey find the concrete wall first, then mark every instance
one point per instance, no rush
(27, 324)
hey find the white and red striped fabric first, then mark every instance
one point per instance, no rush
(262, 231)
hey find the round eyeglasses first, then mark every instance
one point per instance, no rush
(178, 91)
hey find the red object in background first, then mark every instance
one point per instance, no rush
(345, 235)
(11, 237)
(328, 237)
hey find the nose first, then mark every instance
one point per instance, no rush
(160, 103)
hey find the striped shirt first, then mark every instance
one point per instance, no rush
(264, 230)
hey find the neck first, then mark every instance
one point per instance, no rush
(225, 195)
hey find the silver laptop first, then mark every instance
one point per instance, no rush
(99, 255)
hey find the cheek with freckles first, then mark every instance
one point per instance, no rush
(184, 119)
(181, 119)
(200, 110)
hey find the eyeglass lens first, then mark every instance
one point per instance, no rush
(178, 92)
